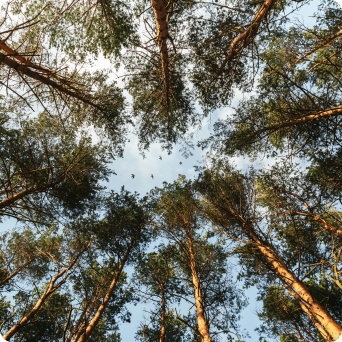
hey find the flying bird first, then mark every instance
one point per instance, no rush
(133, 176)
(160, 158)
(180, 163)
(152, 176)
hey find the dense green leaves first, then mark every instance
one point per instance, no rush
(45, 168)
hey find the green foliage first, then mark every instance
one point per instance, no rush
(161, 115)
(49, 167)
(175, 329)
(290, 88)
(83, 28)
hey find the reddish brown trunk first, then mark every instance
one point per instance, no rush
(22, 59)
(51, 289)
(162, 34)
(28, 63)
(84, 322)
(203, 326)
(305, 118)
(323, 223)
(308, 303)
(298, 330)
(10, 200)
(81, 322)
(163, 314)
(101, 309)
(241, 41)
(316, 218)
(23, 69)
(307, 311)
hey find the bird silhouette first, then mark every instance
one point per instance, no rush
(160, 158)
(133, 175)
(152, 176)
(180, 163)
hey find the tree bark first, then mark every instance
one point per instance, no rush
(308, 303)
(159, 11)
(316, 218)
(22, 59)
(307, 311)
(51, 289)
(242, 40)
(13, 274)
(163, 314)
(10, 200)
(305, 118)
(23, 69)
(87, 311)
(203, 326)
(90, 328)
(325, 42)
(323, 223)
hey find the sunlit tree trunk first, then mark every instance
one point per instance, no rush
(309, 304)
(202, 323)
(159, 11)
(90, 328)
(49, 291)
(25, 70)
(336, 111)
(163, 314)
(243, 39)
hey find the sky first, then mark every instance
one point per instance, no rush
(166, 168)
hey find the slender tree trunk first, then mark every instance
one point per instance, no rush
(162, 34)
(309, 304)
(24, 70)
(323, 223)
(23, 60)
(10, 200)
(298, 327)
(325, 42)
(80, 322)
(242, 40)
(307, 311)
(302, 119)
(107, 297)
(163, 314)
(311, 213)
(202, 323)
(50, 290)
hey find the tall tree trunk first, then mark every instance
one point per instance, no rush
(307, 311)
(18, 196)
(162, 34)
(90, 328)
(309, 304)
(82, 321)
(163, 314)
(50, 290)
(318, 46)
(203, 326)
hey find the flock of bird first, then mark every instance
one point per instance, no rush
(133, 175)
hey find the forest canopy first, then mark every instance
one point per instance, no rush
(81, 255)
